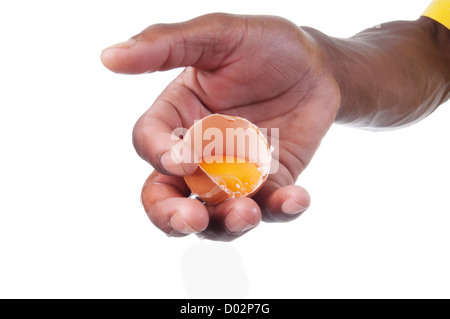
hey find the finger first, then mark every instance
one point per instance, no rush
(279, 204)
(167, 207)
(154, 135)
(231, 219)
(204, 42)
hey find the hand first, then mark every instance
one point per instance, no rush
(265, 69)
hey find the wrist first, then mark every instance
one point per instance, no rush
(391, 75)
(335, 63)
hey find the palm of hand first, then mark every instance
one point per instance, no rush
(265, 70)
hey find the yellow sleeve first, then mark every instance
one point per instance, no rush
(439, 10)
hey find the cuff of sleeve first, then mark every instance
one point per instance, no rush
(439, 10)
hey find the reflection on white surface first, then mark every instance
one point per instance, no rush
(213, 270)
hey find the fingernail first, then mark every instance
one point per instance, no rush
(168, 163)
(235, 224)
(178, 224)
(123, 45)
(171, 163)
(291, 207)
(108, 55)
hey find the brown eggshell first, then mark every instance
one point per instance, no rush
(253, 148)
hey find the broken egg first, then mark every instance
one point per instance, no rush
(234, 158)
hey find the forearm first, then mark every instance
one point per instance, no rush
(389, 76)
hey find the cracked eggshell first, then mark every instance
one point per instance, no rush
(219, 134)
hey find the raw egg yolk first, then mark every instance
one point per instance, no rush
(235, 175)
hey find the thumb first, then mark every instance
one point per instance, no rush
(205, 43)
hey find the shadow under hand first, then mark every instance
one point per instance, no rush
(214, 270)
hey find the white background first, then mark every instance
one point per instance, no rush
(71, 223)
